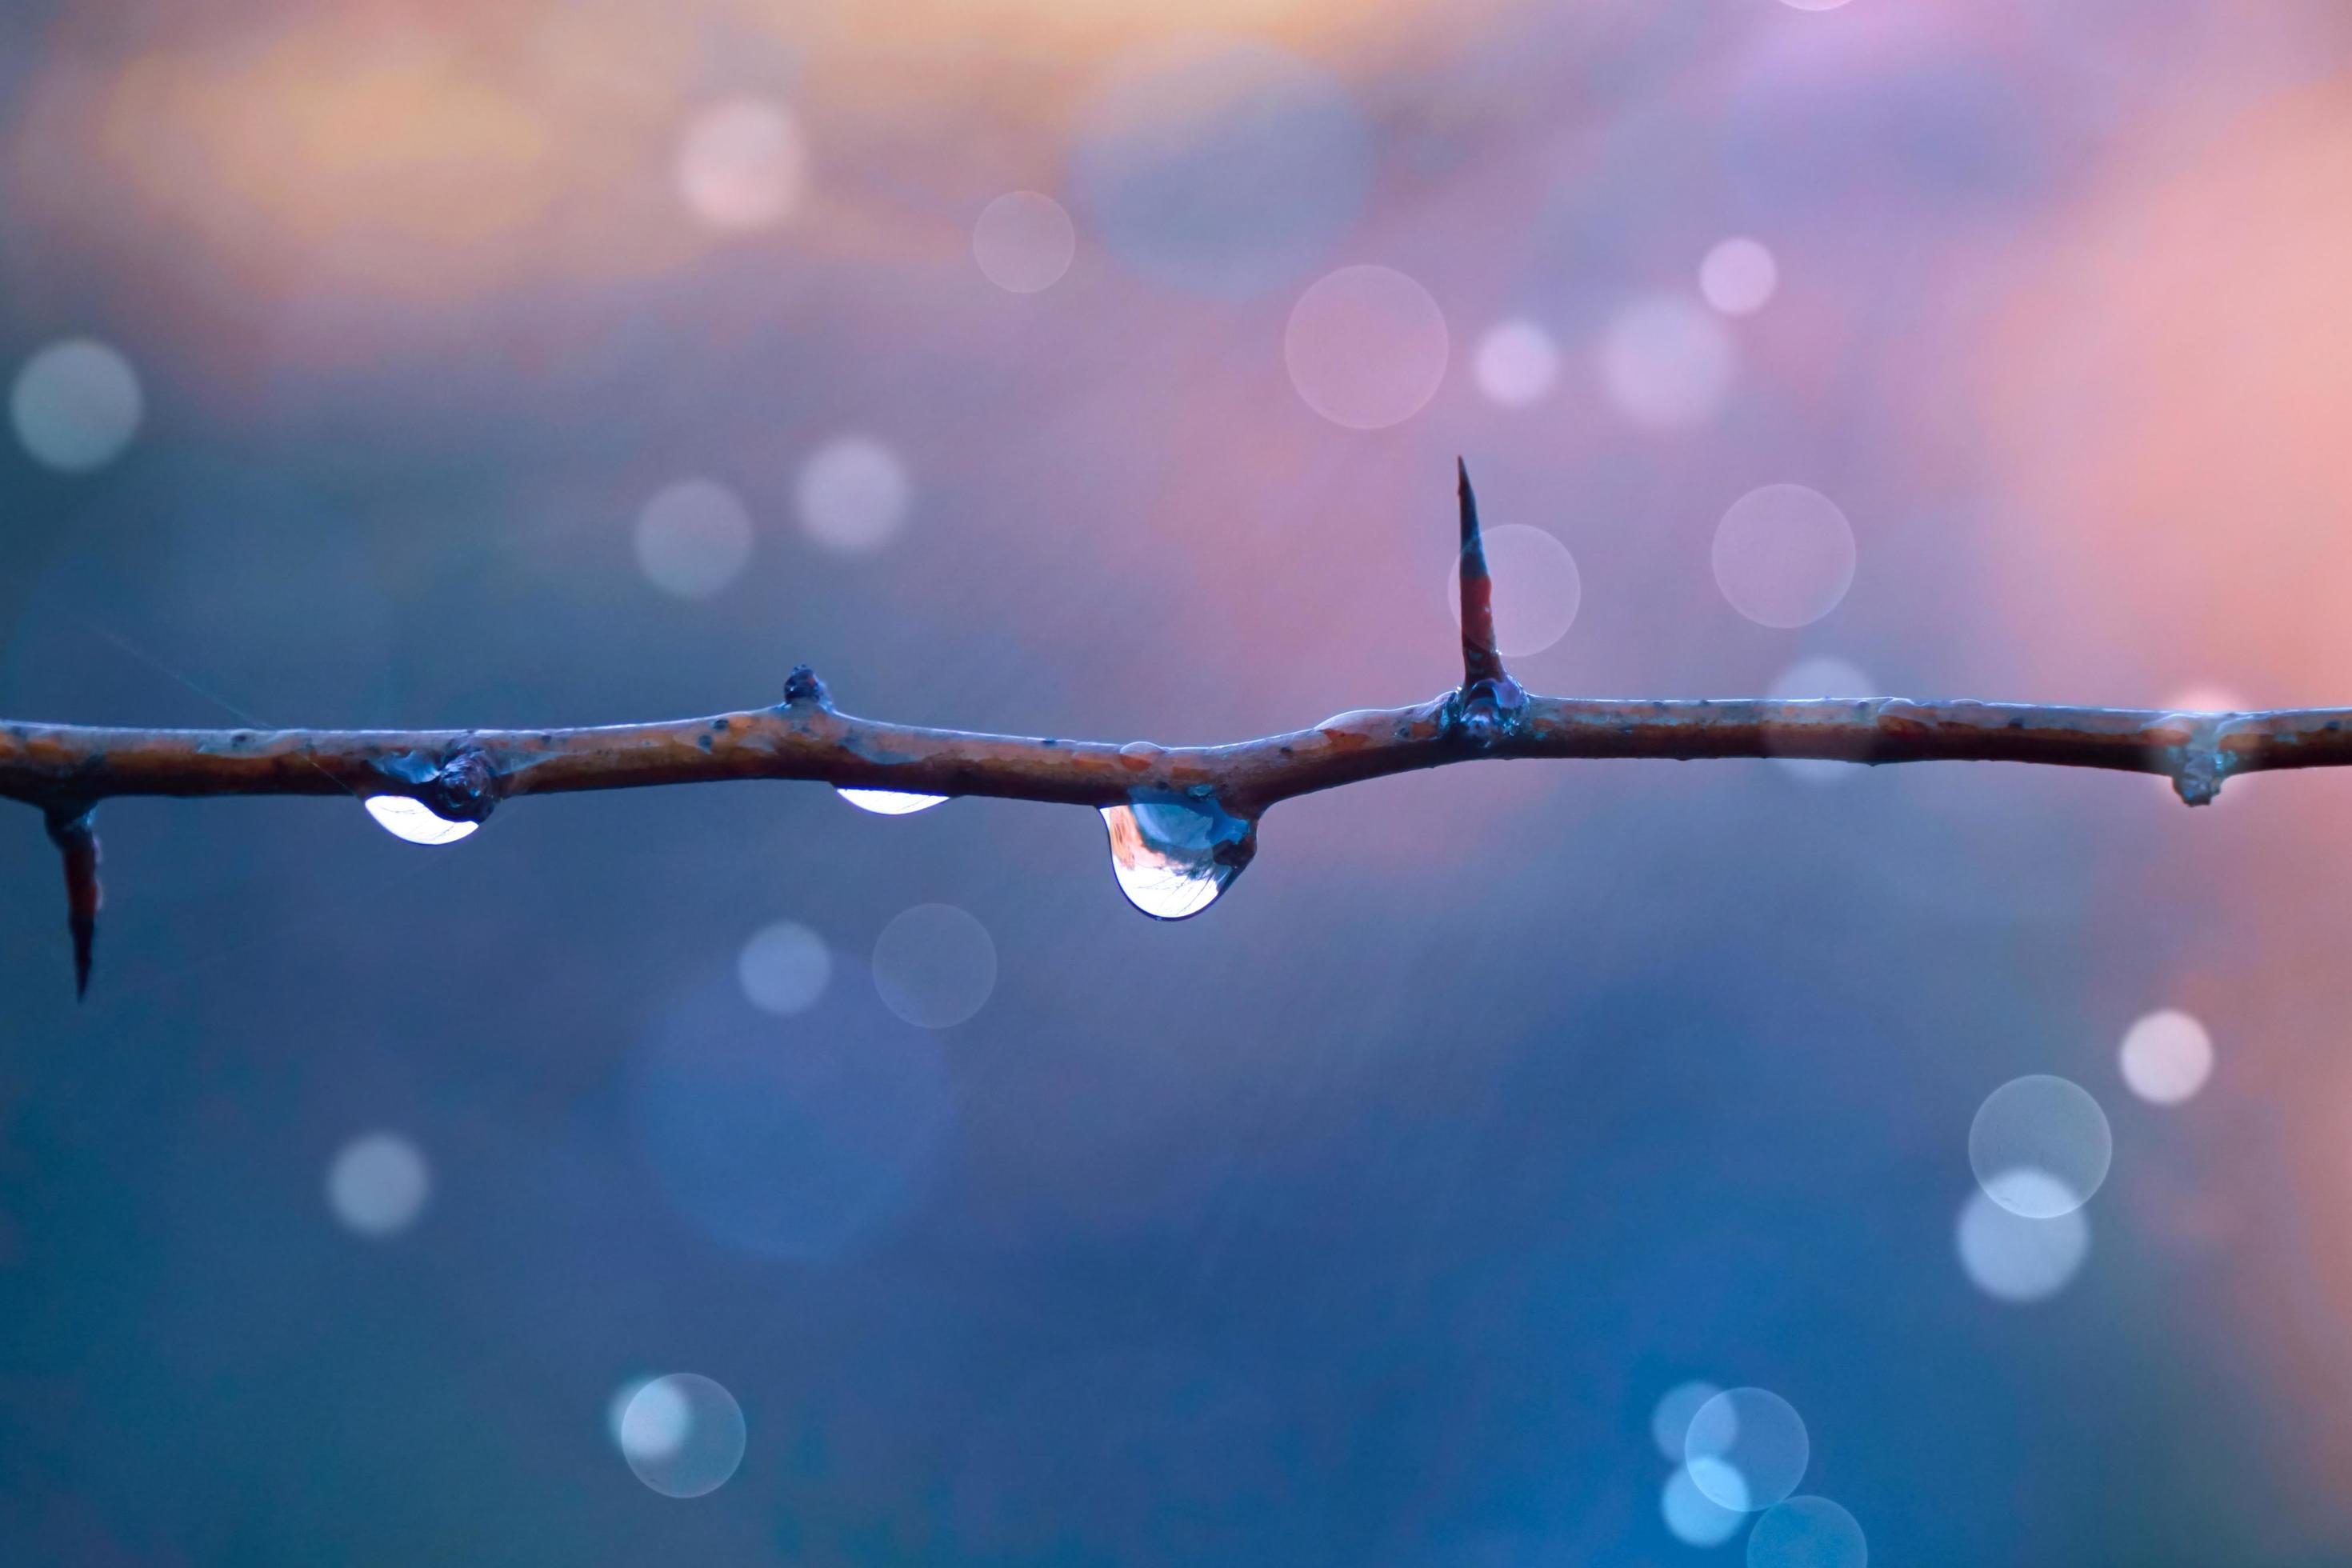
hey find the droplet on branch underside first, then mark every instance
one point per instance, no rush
(888, 802)
(417, 822)
(1174, 855)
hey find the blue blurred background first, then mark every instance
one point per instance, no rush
(1055, 368)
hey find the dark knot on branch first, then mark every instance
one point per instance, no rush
(801, 686)
(460, 783)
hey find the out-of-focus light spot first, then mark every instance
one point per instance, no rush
(889, 802)
(2011, 1258)
(935, 966)
(784, 968)
(693, 539)
(1818, 678)
(377, 1184)
(853, 493)
(416, 821)
(2166, 1057)
(796, 1137)
(1784, 555)
(1665, 363)
(1517, 363)
(682, 1433)
(1221, 168)
(1535, 586)
(1692, 1514)
(1760, 1441)
(1024, 242)
(1365, 347)
(1669, 1421)
(1739, 276)
(742, 164)
(2040, 1145)
(76, 405)
(1807, 1532)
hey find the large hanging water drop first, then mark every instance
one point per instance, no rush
(888, 802)
(1172, 856)
(416, 821)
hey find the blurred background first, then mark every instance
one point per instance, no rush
(729, 1175)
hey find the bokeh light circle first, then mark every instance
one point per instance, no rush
(1784, 555)
(2040, 1145)
(1219, 167)
(76, 405)
(682, 1434)
(1665, 363)
(377, 1184)
(693, 539)
(2013, 1258)
(853, 493)
(2166, 1057)
(1515, 362)
(1670, 1419)
(1023, 241)
(1693, 1516)
(1739, 276)
(742, 164)
(1365, 347)
(784, 968)
(1760, 1441)
(935, 966)
(1815, 5)
(1537, 589)
(795, 1137)
(1807, 1532)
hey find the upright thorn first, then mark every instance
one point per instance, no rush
(75, 833)
(1480, 658)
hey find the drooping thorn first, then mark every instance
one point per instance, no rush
(803, 686)
(2197, 767)
(75, 833)
(1490, 703)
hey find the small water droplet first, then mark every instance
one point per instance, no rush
(888, 802)
(1172, 856)
(415, 821)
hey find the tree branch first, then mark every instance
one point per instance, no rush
(463, 774)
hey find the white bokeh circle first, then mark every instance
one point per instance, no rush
(742, 164)
(1536, 588)
(854, 494)
(76, 405)
(2040, 1145)
(377, 1184)
(2012, 1257)
(935, 966)
(2166, 1057)
(693, 539)
(1739, 276)
(784, 968)
(1665, 363)
(1784, 555)
(1023, 241)
(1365, 347)
(1515, 362)
(682, 1434)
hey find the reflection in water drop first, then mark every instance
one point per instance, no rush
(683, 1435)
(416, 821)
(889, 802)
(1173, 856)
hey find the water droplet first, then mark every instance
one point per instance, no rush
(1173, 857)
(889, 802)
(416, 821)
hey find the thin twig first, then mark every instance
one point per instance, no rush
(463, 774)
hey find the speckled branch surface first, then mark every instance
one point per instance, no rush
(65, 770)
